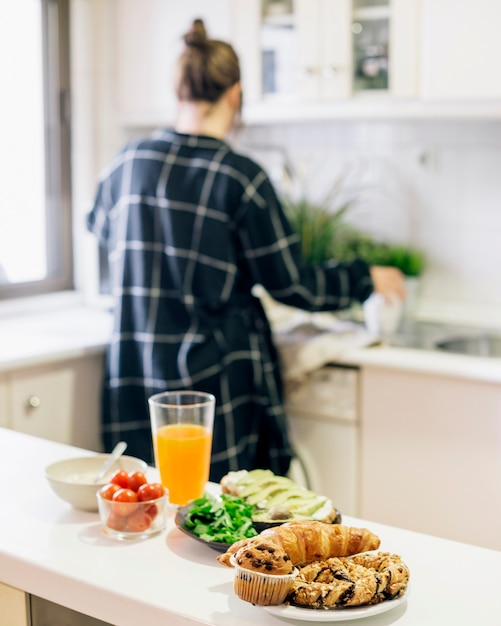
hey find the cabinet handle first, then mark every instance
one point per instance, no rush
(309, 72)
(33, 402)
(331, 71)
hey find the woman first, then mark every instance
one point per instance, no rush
(190, 227)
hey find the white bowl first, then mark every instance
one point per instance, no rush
(72, 479)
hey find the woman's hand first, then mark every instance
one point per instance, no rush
(388, 281)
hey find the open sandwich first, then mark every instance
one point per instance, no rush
(278, 499)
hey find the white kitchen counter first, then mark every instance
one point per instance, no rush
(51, 335)
(53, 551)
(426, 361)
(48, 336)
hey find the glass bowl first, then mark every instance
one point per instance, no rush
(133, 520)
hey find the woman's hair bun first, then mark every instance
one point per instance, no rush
(197, 35)
(206, 67)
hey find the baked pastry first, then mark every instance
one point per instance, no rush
(278, 498)
(358, 580)
(263, 573)
(309, 541)
(263, 557)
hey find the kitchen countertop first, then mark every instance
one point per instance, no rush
(52, 335)
(47, 336)
(53, 551)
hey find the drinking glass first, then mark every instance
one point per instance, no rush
(181, 425)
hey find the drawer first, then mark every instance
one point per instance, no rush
(330, 392)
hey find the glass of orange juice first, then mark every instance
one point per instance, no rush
(181, 425)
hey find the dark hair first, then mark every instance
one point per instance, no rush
(206, 68)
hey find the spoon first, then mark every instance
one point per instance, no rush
(116, 453)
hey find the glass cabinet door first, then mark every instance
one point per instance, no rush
(326, 50)
(305, 48)
(279, 48)
(371, 44)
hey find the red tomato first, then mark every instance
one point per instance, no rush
(138, 522)
(135, 480)
(107, 492)
(150, 491)
(124, 502)
(116, 522)
(151, 510)
(120, 478)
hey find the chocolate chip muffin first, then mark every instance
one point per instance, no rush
(264, 557)
(263, 573)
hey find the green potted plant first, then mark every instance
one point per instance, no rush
(317, 226)
(325, 234)
(350, 243)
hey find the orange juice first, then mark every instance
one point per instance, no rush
(183, 458)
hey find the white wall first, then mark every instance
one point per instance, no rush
(434, 184)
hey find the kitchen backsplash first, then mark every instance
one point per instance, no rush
(433, 184)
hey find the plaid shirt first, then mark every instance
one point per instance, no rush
(190, 227)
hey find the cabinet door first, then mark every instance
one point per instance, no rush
(149, 40)
(323, 420)
(317, 50)
(431, 455)
(12, 607)
(325, 51)
(461, 48)
(59, 401)
(328, 451)
(404, 49)
(4, 419)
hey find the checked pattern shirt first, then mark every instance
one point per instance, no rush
(190, 226)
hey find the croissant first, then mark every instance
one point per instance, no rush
(308, 541)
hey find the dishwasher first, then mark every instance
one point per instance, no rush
(323, 416)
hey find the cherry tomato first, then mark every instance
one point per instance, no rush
(151, 510)
(124, 502)
(116, 522)
(135, 480)
(120, 478)
(150, 491)
(107, 492)
(138, 522)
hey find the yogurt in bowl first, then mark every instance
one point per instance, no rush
(73, 479)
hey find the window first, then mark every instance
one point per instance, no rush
(35, 207)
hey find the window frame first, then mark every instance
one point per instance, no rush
(57, 134)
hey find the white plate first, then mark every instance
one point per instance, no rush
(333, 615)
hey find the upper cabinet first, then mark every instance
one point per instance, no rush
(304, 59)
(320, 50)
(461, 49)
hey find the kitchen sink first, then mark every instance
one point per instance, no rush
(447, 338)
(481, 345)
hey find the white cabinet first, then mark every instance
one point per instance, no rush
(59, 401)
(301, 52)
(318, 50)
(3, 400)
(13, 607)
(431, 454)
(461, 49)
(149, 40)
(324, 428)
